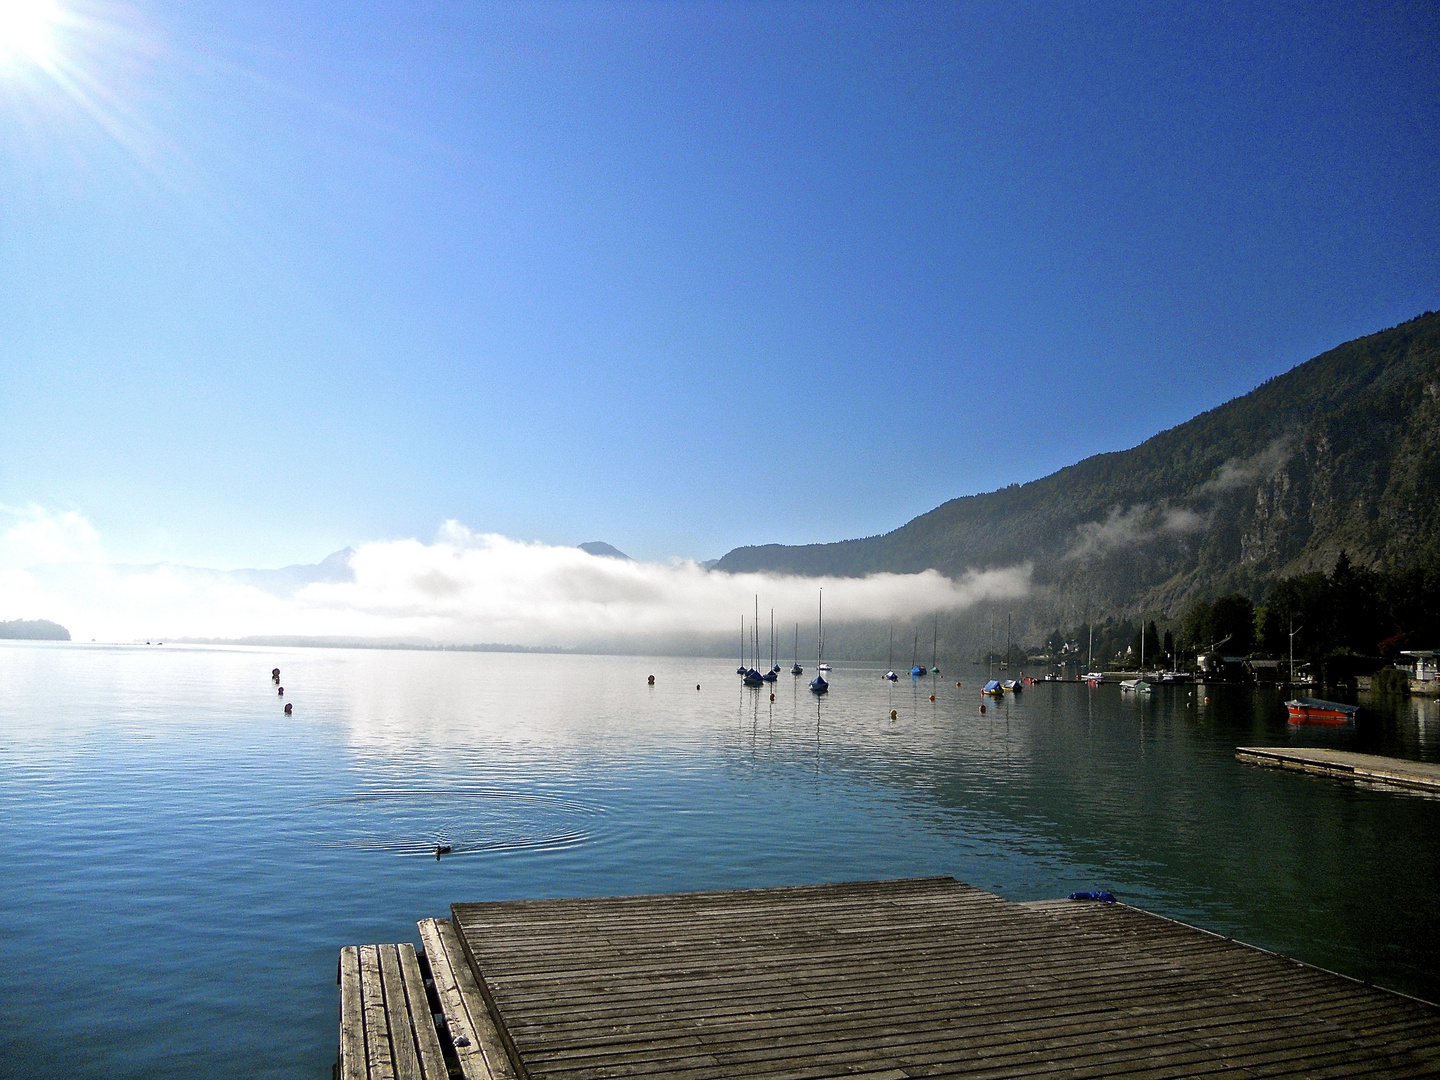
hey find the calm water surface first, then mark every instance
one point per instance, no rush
(182, 862)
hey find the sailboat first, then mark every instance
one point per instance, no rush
(741, 669)
(774, 672)
(751, 677)
(1140, 685)
(916, 671)
(891, 673)
(818, 685)
(935, 649)
(795, 668)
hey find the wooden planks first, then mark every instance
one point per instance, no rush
(386, 1030)
(1345, 765)
(479, 1047)
(926, 977)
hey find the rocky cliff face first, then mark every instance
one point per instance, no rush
(1342, 452)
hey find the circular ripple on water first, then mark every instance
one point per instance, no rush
(469, 821)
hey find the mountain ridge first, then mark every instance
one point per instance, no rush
(1340, 452)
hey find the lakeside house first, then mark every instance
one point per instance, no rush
(1424, 670)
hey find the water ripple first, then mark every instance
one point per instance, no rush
(469, 821)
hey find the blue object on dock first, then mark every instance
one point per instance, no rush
(1103, 897)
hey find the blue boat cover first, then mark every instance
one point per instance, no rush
(1103, 897)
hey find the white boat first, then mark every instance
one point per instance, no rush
(1136, 686)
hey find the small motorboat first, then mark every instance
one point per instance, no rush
(824, 667)
(993, 689)
(892, 676)
(1136, 686)
(1013, 685)
(1315, 711)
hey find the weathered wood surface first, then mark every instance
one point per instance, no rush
(478, 1045)
(1345, 765)
(927, 977)
(386, 1029)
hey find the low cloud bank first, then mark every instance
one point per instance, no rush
(462, 588)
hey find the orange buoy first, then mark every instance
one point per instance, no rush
(697, 686)
(982, 710)
(281, 691)
(652, 680)
(892, 714)
(772, 697)
(288, 707)
(932, 697)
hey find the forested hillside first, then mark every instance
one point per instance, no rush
(1339, 453)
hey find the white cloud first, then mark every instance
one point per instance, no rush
(36, 537)
(1137, 525)
(1239, 472)
(468, 587)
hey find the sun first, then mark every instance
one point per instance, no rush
(28, 33)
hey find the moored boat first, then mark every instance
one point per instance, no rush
(1136, 686)
(993, 689)
(1316, 711)
(818, 685)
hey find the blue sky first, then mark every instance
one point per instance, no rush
(275, 279)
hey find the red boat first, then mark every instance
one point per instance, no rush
(1314, 711)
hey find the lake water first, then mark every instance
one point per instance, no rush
(182, 862)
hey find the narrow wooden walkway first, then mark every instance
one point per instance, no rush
(1345, 765)
(926, 977)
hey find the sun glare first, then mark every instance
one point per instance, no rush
(27, 33)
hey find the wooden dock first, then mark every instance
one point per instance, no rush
(886, 980)
(1345, 765)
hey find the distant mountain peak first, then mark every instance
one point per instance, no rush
(604, 550)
